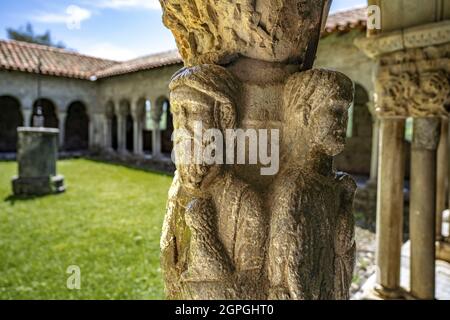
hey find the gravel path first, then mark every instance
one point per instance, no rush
(365, 258)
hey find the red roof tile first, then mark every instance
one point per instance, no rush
(143, 63)
(22, 56)
(343, 21)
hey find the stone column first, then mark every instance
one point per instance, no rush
(442, 176)
(156, 139)
(62, 128)
(27, 114)
(121, 133)
(156, 114)
(423, 207)
(92, 138)
(390, 205)
(107, 132)
(375, 146)
(137, 135)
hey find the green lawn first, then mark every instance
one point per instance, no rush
(108, 223)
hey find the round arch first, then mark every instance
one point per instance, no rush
(125, 111)
(76, 127)
(163, 105)
(49, 112)
(361, 117)
(10, 118)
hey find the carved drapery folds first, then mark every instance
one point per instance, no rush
(231, 233)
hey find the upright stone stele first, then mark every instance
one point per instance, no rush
(37, 153)
(231, 232)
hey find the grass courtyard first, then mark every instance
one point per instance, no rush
(108, 223)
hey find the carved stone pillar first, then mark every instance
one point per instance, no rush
(423, 206)
(62, 128)
(238, 228)
(442, 176)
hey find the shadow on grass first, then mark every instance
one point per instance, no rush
(145, 167)
(12, 199)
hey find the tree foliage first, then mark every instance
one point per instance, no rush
(27, 34)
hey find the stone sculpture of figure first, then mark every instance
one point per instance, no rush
(311, 245)
(214, 235)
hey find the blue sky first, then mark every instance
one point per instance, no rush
(114, 29)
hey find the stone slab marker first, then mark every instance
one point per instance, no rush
(37, 153)
(240, 230)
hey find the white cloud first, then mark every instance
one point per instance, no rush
(129, 4)
(107, 50)
(72, 17)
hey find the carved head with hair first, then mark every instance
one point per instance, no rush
(315, 108)
(203, 94)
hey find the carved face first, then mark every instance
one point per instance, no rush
(191, 107)
(328, 125)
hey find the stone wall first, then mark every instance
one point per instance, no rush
(61, 91)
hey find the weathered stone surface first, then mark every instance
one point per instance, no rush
(38, 186)
(229, 232)
(219, 32)
(312, 223)
(414, 94)
(36, 156)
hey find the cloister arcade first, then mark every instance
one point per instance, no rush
(138, 127)
(129, 127)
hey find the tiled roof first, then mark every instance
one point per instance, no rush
(343, 21)
(144, 63)
(21, 56)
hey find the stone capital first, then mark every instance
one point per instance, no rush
(412, 94)
(218, 32)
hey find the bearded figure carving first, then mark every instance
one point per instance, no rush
(310, 203)
(214, 220)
